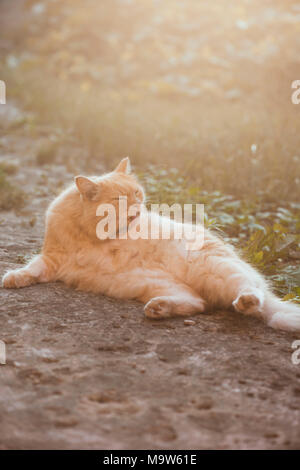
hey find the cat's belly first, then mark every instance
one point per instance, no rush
(122, 269)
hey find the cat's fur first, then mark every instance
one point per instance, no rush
(160, 273)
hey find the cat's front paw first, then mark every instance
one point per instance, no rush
(249, 302)
(16, 279)
(158, 307)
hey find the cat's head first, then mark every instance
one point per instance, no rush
(115, 195)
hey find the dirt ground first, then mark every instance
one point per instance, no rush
(86, 371)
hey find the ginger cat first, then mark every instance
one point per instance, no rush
(160, 273)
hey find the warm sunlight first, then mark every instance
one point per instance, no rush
(125, 127)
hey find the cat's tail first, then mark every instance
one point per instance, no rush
(281, 315)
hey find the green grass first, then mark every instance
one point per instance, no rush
(266, 235)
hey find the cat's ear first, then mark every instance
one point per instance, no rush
(124, 166)
(87, 188)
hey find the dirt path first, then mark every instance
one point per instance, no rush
(85, 371)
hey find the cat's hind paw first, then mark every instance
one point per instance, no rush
(249, 302)
(158, 307)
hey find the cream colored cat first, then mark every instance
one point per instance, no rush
(163, 274)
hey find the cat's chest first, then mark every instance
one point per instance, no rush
(125, 256)
(107, 259)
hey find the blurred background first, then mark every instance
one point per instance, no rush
(197, 93)
(202, 86)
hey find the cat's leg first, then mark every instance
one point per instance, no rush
(39, 269)
(181, 301)
(253, 297)
(278, 314)
(246, 288)
(162, 295)
(249, 300)
(230, 282)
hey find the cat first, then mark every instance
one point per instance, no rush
(162, 273)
